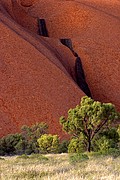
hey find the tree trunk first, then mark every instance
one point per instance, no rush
(89, 141)
(89, 145)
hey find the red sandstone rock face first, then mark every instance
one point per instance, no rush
(27, 3)
(37, 73)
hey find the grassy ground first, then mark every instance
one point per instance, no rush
(59, 167)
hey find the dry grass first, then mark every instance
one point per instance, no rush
(58, 167)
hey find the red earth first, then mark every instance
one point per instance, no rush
(37, 74)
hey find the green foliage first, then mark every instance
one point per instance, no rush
(35, 131)
(2, 147)
(104, 144)
(112, 152)
(31, 134)
(63, 146)
(78, 157)
(20, 147)
(8, 144)
(93, 154)
(109, 152)
(110, 133)
(24, 143)
(76, 146)
(23, 156)
(48, 143)
(108, 138)
(88, 118)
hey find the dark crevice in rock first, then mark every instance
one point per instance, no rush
(79, 71)
(42, 28)
(80, 76)
(67, 42)
(74, 53)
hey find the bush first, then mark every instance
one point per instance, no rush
(111, 134)
(93, 154)
(108, 138)
(76, 146)
(74, 158)
(112, 152)
(8, 144)
(30, 136)
(20, 147)
(24, 143)
(104, 143)
(23, 156)
(63, 147)
(48, 143)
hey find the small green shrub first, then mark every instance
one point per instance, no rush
(76, 146)
(8, 143)
(25, 142)
(63, 147)
(30, 136)
(48, 143)
(106, 139)
(74, 158)
(104, 143)
(112, 152)
(39, 157)
(94, 154)
(23, 156)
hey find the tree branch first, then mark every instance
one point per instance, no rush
(98, 128)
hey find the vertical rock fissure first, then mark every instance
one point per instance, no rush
(79, 71)
(42, 28)
(67, 42)
(80, 77)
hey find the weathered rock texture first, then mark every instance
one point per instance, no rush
(37, 74)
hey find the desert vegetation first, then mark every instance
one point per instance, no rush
(41, 79)
(24, 142)
(89, 124)
(93, 148)
(60, 166)
(87, 120)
